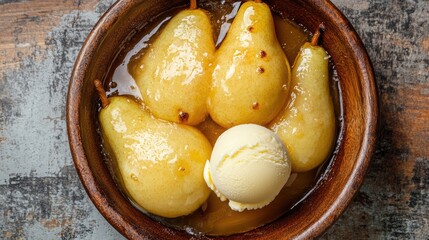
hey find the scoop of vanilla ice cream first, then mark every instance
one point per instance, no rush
(249, 166)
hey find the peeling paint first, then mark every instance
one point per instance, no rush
(33, 101)
(40, 193)
(393, 201)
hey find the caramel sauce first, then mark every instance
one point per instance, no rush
(215, 217)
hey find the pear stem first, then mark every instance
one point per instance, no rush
(193, 5)
(316, 36)
(101, 93)
(258, 1)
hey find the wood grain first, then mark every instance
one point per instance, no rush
(25, 24)
(393, 202)
(41, 195)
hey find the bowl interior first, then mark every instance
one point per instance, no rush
(309, 218)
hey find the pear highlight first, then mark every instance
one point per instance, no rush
(172, 75)
(160, 164)
(251, 74)
(307, 124)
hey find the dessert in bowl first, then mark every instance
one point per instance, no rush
(321, 192)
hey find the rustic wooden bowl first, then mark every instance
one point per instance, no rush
(310, 217)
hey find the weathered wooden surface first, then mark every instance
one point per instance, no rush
(41, 196)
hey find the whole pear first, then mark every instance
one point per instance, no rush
(251, 74)
(160, 163)
(307, 124)
(172, 75)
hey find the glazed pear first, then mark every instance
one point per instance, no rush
(251, 74)
(172, 75)
(160, 163)
(307, 125)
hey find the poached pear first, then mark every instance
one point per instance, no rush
(307, 124)
(172, 75)
(251, 73)
(160, 163)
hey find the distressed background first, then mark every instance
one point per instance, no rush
(41, 196)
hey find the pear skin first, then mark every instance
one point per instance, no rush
(160, 163)
(172, 75)
(251, 73)
(307, 124)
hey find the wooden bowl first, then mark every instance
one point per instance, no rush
(309, 218)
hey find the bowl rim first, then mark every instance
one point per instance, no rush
(109, 212)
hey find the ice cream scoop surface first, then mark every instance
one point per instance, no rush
(249, 166)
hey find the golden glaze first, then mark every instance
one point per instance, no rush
(251, 74)
(160, 163)
(307, 125)
(172, 75)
